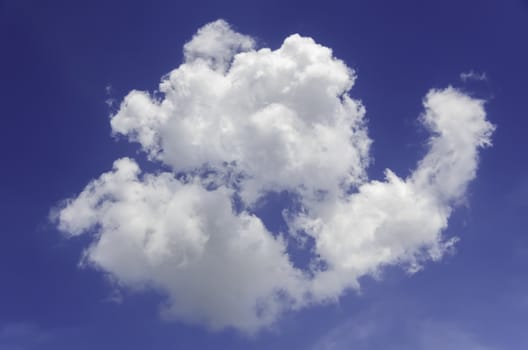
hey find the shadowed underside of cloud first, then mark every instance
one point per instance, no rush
(240, 123)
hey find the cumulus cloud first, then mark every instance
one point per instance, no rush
(280, 119)
(218, 267)
(233, 124)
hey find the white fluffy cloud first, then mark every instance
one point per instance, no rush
(281, 119)
(401, 220)
(239, 123)
(156, 231)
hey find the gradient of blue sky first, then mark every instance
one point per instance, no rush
(57, 59)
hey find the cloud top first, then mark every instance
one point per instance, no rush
(240, 123)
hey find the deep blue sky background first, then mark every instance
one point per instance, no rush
(58, 57)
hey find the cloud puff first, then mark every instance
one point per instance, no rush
(233, 124)
(280, 119)
(218, 267)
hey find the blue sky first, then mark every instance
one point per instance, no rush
(67, 66)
